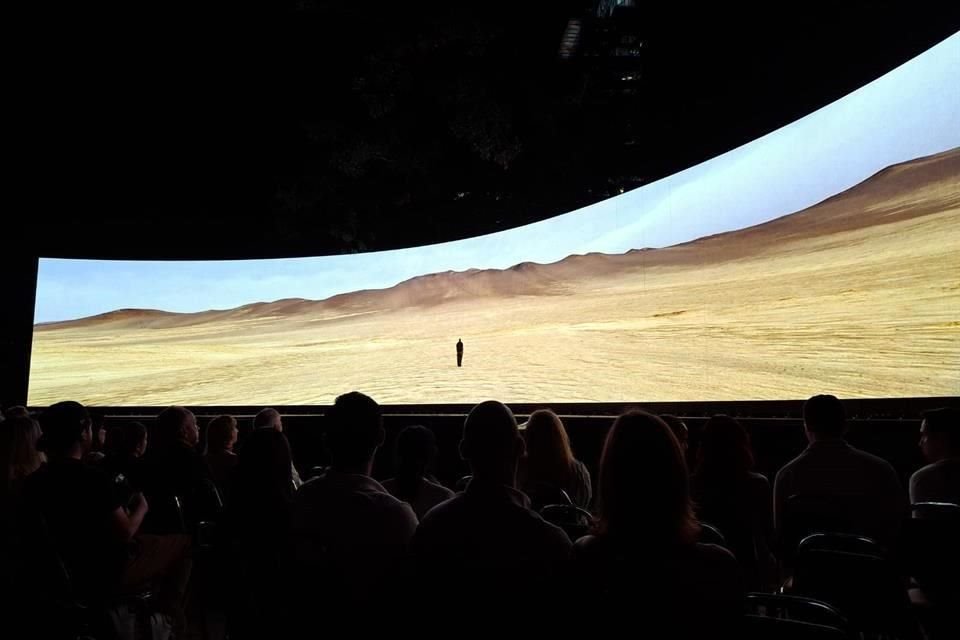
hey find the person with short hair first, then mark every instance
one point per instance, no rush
(218, 451)
(270, 419)
(939, 481)
(173, 470)
(347, 524)
(416, 450)
(487, 541)
(852, 485)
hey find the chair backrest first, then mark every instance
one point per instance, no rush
(543, 495)
(766, 628)
(165, 516)
(213, 496)
(47, 574)
(797, 608)
(807, 514)
(462, 483)
(709, 534)
(854, 575)
(946, 511)
(576, 522)
(315, 472)
(931, 547)
(845, 542)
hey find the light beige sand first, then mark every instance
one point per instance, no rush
(857, 296)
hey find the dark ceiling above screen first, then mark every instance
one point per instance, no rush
(310, 127)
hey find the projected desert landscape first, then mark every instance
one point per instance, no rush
(857, 296)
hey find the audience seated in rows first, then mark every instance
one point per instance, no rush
(487, 541)
(270, 419)
(939, 481)
(416, 450)
(549, 467)
(833, 486)
(94, 532)
(218, 451)
(739, 502)
(643, 564)
(352, 535)
(342, 545)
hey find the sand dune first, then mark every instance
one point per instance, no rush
(858, 295)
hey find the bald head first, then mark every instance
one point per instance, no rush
(491, 440)
(177, 424)
(268, 419)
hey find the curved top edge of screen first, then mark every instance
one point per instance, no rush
(886, 94)
(910, 112)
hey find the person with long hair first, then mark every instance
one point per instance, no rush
(416, 450)
(736, 500)
(549, 467)
(643, 561)
(262, 484)
(19, 456)
(258, 524)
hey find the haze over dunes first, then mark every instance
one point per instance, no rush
(858, 295)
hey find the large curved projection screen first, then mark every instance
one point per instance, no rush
(823, 257)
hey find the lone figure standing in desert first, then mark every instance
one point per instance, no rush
(459, 352)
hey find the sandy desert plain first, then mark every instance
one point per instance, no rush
(858, 295)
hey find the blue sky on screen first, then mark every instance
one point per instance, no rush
(912, 111)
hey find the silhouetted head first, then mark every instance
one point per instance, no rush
(65, 429)
(354, 430)
(264, 464)
(416, 449)
(644, 489)
(940, 434)
(491, 442)
(824, 417)
(679, 428)
(17, 411)
(177, 425)
(221, 434)
(268, 419)
(724, 451)
(19, 456)
(549, 457)
(128, 440)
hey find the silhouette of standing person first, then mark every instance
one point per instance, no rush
(459, 352)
